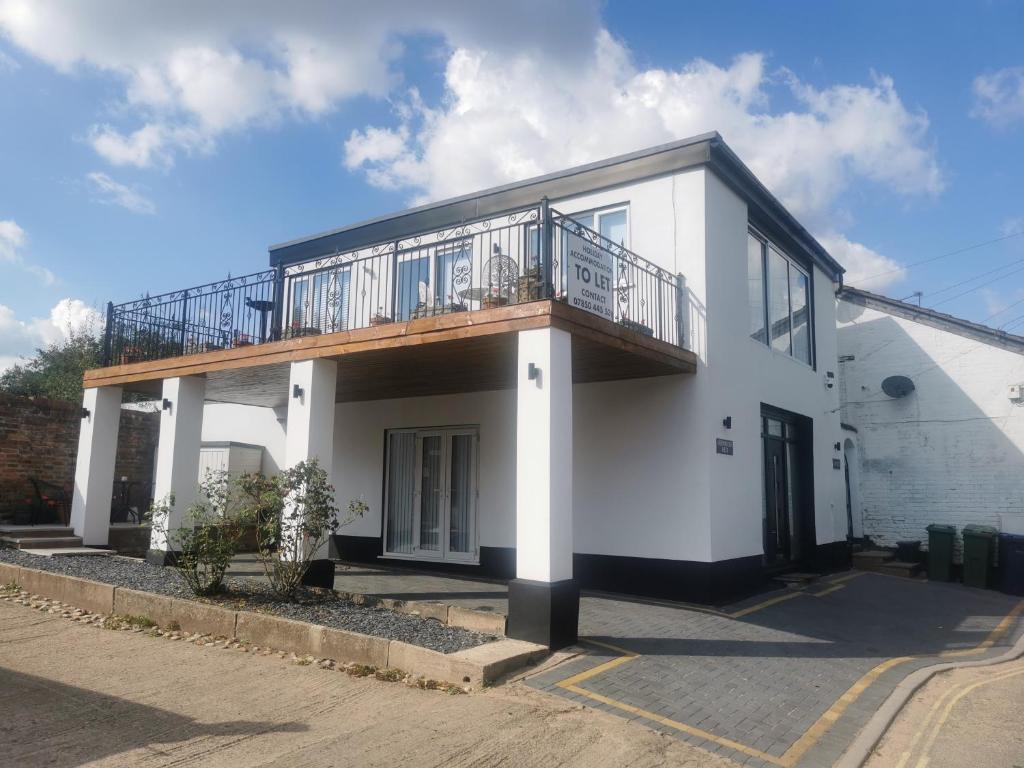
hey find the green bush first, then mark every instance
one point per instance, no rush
(205, 550)
(294, 514)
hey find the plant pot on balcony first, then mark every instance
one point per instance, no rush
(380, 319)
(490, 302)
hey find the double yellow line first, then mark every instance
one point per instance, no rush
(950, 699)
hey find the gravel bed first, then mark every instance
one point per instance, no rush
(315, 606)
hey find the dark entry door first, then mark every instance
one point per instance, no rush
(776, 529)
(788, 486)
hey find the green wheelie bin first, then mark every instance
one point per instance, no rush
(979, 555)
(940, 551)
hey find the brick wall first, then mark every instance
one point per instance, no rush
(952, 451)
(39, 438)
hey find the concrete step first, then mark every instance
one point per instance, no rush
(871, 559)
(36, 531)
(901, 568)
(40, 542)
(797, 579)
(71, 552)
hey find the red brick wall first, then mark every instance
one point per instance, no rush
(39, 439)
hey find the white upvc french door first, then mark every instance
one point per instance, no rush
(431, 494)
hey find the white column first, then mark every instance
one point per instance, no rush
(94, 470)
(310, 429)
(544, 456)
(177, 454)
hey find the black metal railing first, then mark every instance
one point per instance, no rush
(527, 255)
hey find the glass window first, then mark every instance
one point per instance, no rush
(755, 287)
(613, 226)
(801, 312)
(586, 219)
(778, 300)
(412, 285)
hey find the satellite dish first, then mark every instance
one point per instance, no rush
(897, 386)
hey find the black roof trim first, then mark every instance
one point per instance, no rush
(706, 149)
(940, 320)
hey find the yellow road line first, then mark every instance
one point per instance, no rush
(936, 729)
(675, 724)
(993, 637)
(828, 718)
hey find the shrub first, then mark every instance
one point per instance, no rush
(294, 513)
(204, 550)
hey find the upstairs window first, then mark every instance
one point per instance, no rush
(612, 223)
(778, 292)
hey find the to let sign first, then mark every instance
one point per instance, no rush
(590, 276)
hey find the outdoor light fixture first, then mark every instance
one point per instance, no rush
(830, 379)
(297, 391)
(167, 404)
(532, 372)
(85, 413)
(838, 447)
(727, 422)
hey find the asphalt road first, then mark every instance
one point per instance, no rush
(72, 695)
(964, 717)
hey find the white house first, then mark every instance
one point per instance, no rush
(945, 443)
(619, 376)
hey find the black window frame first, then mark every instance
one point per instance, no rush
(808, 271)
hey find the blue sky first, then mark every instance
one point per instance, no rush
(149, 146)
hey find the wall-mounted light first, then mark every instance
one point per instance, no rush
(166, 405)
(297, 391)
(838, 446)
(830, 379)
(727, 422)
(532, 372)
(85, 413)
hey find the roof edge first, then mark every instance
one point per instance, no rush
(939, 320)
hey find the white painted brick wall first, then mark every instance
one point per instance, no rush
(950, 452)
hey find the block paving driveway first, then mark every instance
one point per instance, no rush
(784, 679)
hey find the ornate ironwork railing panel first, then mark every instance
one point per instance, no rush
(491, 262)
(644, 297)
(477, 265)
(229, 313)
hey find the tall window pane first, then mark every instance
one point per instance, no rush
(755, 288)
(778, 300)
(801, 315)
(613, 226)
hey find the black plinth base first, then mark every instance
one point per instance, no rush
(159, 557)
(320, 574)
(546, 613)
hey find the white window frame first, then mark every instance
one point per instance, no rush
(599, 212)
(766, 244)
(443, 553)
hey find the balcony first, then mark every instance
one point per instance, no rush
(472, 280)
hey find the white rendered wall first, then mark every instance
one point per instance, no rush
(950, 452)
(177, 455)
(544, 456)
(94, 469)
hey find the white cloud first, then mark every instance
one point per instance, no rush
(8, 64)
(999, 96)
(496, 124)
(110, 192)
(519, 98)
(193, 70)
(12, 241)
(20, 338)
(865, 268)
